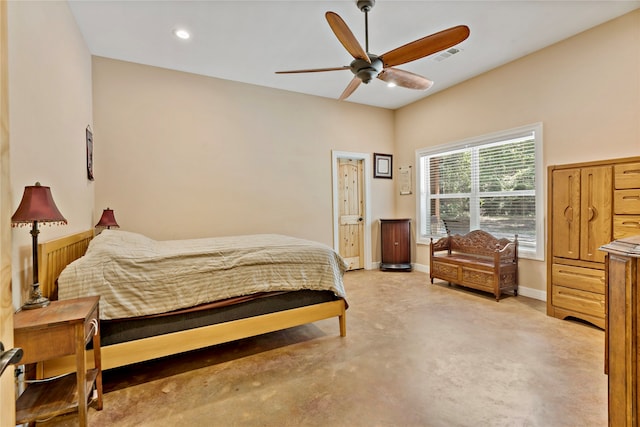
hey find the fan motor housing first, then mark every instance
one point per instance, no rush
(366, 71)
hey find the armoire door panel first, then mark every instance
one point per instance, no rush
(566, 213)
(596, 210)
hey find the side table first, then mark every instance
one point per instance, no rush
(395, 242)
(59, 329)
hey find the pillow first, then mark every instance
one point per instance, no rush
(121, 244)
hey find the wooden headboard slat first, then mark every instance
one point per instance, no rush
(55, 255)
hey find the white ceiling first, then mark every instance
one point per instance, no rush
(247, 41)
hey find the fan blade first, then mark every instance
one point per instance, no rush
(313, 70)
(346, 37)
(353, 85)
(426, 46)
(405, 79)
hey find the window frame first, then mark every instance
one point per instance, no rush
(422, 195)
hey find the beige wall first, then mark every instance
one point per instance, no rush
(49, 108)
(585, 91)
(180, 155)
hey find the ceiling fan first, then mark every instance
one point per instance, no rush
(366, 66)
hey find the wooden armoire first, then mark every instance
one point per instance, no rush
(589, 204)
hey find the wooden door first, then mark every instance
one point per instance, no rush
(565, 216)
(596, 208)
(351, 211)
(7, 388)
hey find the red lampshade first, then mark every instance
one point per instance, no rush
(107, 219)
(37, 205)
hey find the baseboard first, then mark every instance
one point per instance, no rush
(532, 293)
(421, 268)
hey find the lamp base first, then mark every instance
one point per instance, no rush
(36, 300)
(36, 303)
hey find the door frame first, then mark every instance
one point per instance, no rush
(7, 382)
(366, 158)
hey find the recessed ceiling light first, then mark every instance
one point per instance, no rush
(391, 84)
(182, 34)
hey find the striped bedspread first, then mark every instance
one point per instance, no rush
(137, 276)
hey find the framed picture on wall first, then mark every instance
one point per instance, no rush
(89, 154)
(382, 165)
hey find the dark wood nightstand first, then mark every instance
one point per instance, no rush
(396, 244)
(61, 328)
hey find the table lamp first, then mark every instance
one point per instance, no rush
(37, 205)
(107, 220)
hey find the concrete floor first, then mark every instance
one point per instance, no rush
(415, 354)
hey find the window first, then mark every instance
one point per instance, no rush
(493, 183)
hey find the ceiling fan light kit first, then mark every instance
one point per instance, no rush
(367, 66)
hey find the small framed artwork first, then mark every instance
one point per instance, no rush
(89, 154)
(382, 165)
(405, 180)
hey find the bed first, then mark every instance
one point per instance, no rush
(285, 282)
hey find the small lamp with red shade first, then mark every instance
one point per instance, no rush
(37, 206)
(107, 220)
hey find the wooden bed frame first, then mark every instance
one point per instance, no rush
(56, 254)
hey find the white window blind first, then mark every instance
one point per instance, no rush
(491, 183)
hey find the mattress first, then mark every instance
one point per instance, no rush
(137, 276)
(122, 330)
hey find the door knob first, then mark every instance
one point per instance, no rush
(9, 357)
(360, 219)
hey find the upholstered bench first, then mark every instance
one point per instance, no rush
(476, 260)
